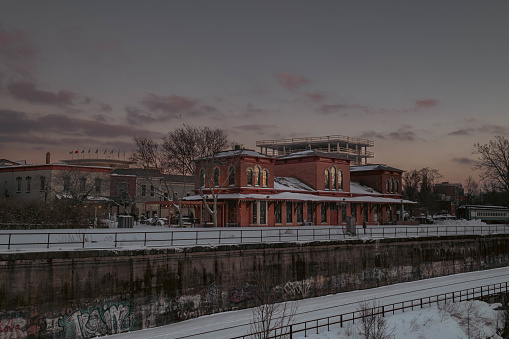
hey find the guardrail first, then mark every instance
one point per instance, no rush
(311, 326)
(223, 236)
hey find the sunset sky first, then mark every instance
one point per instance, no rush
(425, 80)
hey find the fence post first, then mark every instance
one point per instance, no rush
(341, 320)
(171, 238)
(220, 236)
(196, 239)
(116, 239)
(241, 236)
(48, 241)
(261, 236)
(145, 240)
(279, 231)
(291, 331)
(83, 240)
(9, 245)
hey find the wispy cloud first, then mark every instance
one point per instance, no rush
(26, 91)
(464, 161)
(426, 103)
(292, 82)
(18, 55)
(347, 108)
(484, 129)
(404, 133)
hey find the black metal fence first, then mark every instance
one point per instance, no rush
(221, 236)
(313, 326)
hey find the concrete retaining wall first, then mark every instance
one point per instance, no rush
(81, 294)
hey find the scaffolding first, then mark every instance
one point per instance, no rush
(351, 148)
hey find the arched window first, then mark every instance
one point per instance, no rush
(265, 177)
(249, 174)
(231, 176)
(333, 179)
(257, 176)
(340, 180)
(202, 178)
(327, 180)
(392, 185)
(387, 189)
(396, 186)
(216, 176)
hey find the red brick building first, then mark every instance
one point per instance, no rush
(307, 187)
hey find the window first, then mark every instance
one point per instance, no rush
(43, 184)
(265, 177)
(343, 213)
(257, 176)
(202, 178)
(310, 211)
(18, 181)
(340, 180)
(216, 176)
(83, 182)
(396, 186)
(29, 180)
(327, 180)
(387, 190)
(375, 214)
(324, 213)
(354, 211)
(249, 174)
(392, 185)
(143, 190)
(277, 212)
(255, 213)
(263, 212)
(333, 175)
(98, 182)
(231, 176)
(152, 190)
(289, 212)
(300, 212)
(122, 189)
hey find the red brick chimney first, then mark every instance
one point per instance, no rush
(48, 161)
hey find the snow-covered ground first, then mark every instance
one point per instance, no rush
(433, 322)
(143, 236)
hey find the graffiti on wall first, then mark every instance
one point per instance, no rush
(97, 321)
(243, 294)
(187, 306)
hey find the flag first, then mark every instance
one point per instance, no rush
(105, 150)
(118, 154)
(83, 151)
(97, 150)
(76, 152)
(70, 152)
(111, 152)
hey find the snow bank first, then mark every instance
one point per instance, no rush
(460, 222)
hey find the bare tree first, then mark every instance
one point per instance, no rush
(176, 154)
(373, 323)
(494, 162)
(471, 190)
(273, 317)
(188, 147)
(418, 186)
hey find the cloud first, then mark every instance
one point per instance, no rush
(256, 128)
(26, 91)
(18, 54)
(484, 129)
(465, 161)
(404, 133)
(316, 97)
(426, 103)
(18, 126)
(171, 104)
(291, 82)
(343, 109)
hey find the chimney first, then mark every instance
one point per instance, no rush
(48, 161)
(237, 147)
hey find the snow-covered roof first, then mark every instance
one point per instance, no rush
(373, 167)
(357, 188)
(290, 184)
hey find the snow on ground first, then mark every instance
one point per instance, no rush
(429, 322)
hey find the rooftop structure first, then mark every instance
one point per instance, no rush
(349, 148)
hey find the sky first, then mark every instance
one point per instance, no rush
(425, 80)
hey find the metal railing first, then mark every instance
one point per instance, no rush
(225, 236)
(330, 138)
(313, 326)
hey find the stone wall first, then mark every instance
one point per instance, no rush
(81, 294)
